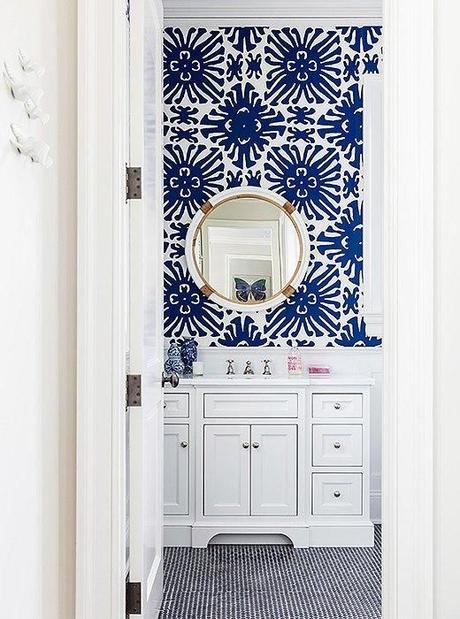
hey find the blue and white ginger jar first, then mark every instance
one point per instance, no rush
(189, 352)
(174, 363)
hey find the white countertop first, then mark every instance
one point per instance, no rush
(299, 381)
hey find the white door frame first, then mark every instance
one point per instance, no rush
(101, 364)
(408, 321)
(408, 310)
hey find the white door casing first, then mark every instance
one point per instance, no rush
(273, 470)
(408, 450)
(226, 465)
(145, 308)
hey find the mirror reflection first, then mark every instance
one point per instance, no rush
(247, 249)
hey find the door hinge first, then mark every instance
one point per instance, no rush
(133, 183)
(133, 598)
(133, 390)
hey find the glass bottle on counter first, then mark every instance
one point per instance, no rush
(294, 362)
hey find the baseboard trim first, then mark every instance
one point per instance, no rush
(332, 536)
(376, 506)
(202, 535)
(315, 536)
(177, 535)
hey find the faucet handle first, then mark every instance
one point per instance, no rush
(248, 369)
(267, 370)
(230, 368)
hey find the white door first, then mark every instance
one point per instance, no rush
(176, 463)
(145, 451)
(226, 470)
(273, 470)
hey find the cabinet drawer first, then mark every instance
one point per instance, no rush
(337, 445)
(250, 405)
(176, 405)
(337, 405)
(337, 494)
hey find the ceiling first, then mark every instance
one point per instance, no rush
(270, 9)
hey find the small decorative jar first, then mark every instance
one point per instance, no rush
(189, 352)
(174, 363)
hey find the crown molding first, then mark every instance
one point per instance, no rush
(269, 9)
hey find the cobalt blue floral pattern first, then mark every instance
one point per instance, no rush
(313, 310)
(343, 125)
(191, 176)
(343, 242)
(350, 300)
(187, 311)
(308, 178)
(306, 65)
(243, 125)
(354, 334)
(244, 38)
(279, 108)
(242, 331)
(361, 38)
(193, 65)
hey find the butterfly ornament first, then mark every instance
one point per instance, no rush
(246, 292)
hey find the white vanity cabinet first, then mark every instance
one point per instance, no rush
(274, 470)
(226, 468)
(176, 469)
(250, 470)
(338, 471)
(268, 459)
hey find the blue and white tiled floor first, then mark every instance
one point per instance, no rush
(273, 582)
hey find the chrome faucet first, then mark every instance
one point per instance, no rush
(230, 368)
(248, 369)
(267, 369)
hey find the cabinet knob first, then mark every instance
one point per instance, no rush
(246, 445)
(337, 406)
(184, 444)
(256, 445)
(336, 494)
(337, 445)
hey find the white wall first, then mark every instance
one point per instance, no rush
(37, 317)
(447, 312)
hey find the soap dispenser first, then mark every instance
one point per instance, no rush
(294, 362)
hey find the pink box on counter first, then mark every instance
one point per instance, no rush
(319, 370)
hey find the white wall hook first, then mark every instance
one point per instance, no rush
(28, 65)
(37, 150)
(34, 111)
(19, 89)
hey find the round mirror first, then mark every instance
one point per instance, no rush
(247, 249)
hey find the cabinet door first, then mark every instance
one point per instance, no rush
(176, 465)
(274, 470)
(226, 470)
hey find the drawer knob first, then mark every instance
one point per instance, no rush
(337, 445)
(256, 445)
(246, 445)
(184, 444)
(337, 406)
(336, 494)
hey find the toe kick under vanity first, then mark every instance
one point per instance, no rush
(283, 458)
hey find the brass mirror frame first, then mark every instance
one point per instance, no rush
(247, 192)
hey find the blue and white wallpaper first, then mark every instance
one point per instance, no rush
(282, 109)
